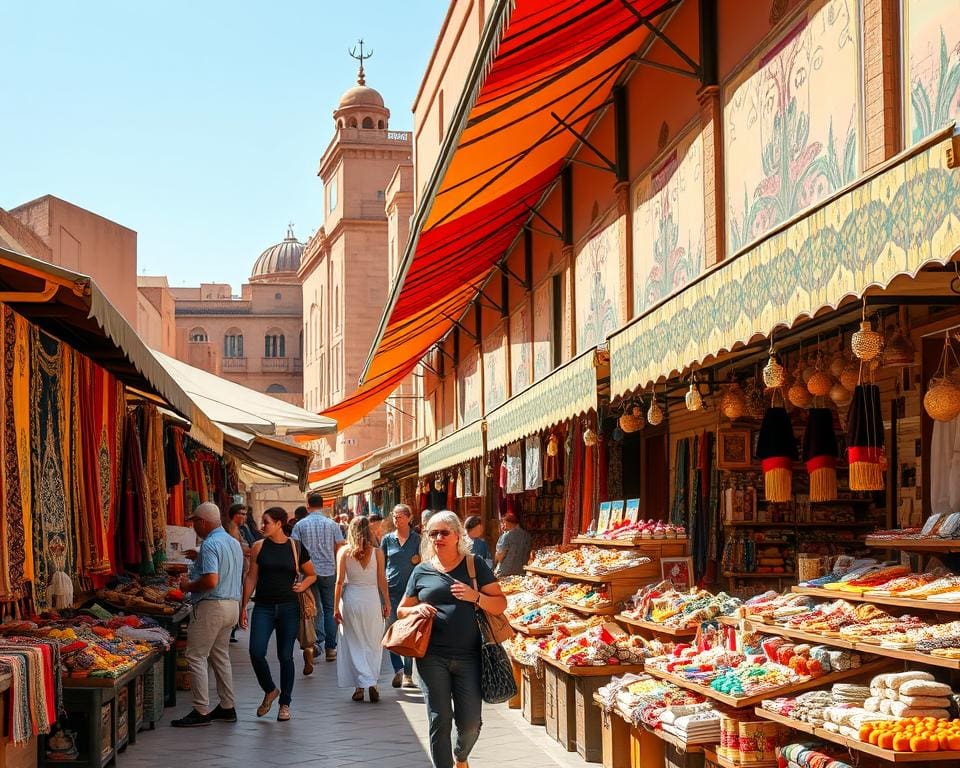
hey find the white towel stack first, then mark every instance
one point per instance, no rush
(908, 694)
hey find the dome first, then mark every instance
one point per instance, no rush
(361, 96)
(278, 260)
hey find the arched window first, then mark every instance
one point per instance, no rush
(300, 352)
(274, 344)
(276, 389)
(340, 123)
(380, 124)
(197, 335)
(367, 122)
(352, 122)
(233, 343)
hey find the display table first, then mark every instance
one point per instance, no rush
(172, 624)
(99, 712)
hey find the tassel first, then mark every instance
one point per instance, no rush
(823, 483)
(60, 590)
(777, 479)
(866, 471)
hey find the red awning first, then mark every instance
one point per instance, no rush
(503, 152)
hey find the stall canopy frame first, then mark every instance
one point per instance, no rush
(456, 448)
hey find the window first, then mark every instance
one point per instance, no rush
(300, 349)
(380, 195)
(276, 389)
(332, 196)
(556, 330)
(197, 335)
(380, 124)
(233, 343)
(278, 296)
(352, 123)
(336, 307)
(274, 345)
(367, 122)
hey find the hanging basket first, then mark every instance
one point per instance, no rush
(654, 413)
(733, 404)
(799, 395)
(942, 400)
(866, 343)
(850, 376)
(840, 394)
(819, 384)
(898, 349)
(837, 365)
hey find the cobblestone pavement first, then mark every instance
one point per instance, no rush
(329, 730)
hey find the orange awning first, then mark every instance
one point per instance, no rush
(322, 474)
(503, 152)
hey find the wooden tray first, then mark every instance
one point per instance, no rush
(659, 629)
(899, 602)
(915, 545)
(604, 610)
(607, 670)
(636, 571)
(632, 542)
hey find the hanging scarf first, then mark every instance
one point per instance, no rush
(701, 541)
(572, 448)
(156, 482)
(12, 533)
(132, 543)
(514, 468)
(533, 478)
(589, 483)
(678, 510)
(693, 523)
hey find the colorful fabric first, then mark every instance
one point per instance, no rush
(12, 537)
(132, 544)
(156, 482)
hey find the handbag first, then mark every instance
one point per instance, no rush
(307, 631)
(498, 624)
(409, 636)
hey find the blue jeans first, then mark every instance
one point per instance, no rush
(399, 663)
(325, 625)
(285, 619)
(451, 689)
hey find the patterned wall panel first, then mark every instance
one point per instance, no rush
(598, 282)
(932, 64)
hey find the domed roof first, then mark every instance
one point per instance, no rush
(280, 259)
(361, 96)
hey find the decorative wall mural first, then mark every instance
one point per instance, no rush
(494, 370)
(598, 282)
(542, 333)
(791, 122)
(468, 385)
(521, 350)
(668, 230)
(932, 66)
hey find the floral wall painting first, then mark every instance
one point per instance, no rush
(598, 282)
(791, 122)
(932, 66)
(468, 383)
(521, 350)
(668, 229)
(542, 337)
(494, 370)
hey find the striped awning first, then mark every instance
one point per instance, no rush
(569, 391)
(464, 444)
(361, 482)
(504, 149)
(895, 220)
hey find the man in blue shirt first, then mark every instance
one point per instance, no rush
(214, 587)
(321, 537)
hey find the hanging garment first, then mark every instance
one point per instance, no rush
(945, 467)
(589, 475)
(22, 419)
(154, 466)
(533, 478)
(572, 449)
(132, 545)
(701, 512)
(681, 467)
(12, 532)
(514, 465)
(693, 522)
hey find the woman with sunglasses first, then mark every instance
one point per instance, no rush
(274, 573)
(440, 586)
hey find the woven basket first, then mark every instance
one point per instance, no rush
(799, 395)
(810, 566)
(866, 343)
(942, 400)
(733, 404)
(837, 364)
(840, 394)
(850, 377)
(654, 413)
(774, 374)
(819, 384)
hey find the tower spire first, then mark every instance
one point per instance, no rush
(361, 57)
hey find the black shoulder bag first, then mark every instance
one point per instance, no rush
(497, 683)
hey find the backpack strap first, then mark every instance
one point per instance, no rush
(296, 556)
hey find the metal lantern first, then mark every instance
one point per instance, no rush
(693, 398)
(654, 412)
(774, 374)
(733, 404)
(866, 343)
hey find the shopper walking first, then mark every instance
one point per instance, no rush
(322, 538)
(363, 602)
(513, 547)
(440, 587)
(474, 527)
(236, 518)
(276, 565)
(401, 549)
(214, 587)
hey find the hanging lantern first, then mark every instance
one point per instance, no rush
(654, 413)
(589, 436)
(693, 398)
(866, 343)
(733, 404)
(820, 382)
(942, 399)
(632, 419)
(553, 445)
(774, 374)
(839, 394)
(756, 403)
(820, 453)
(898, 350)
(777, 450)
(799, 395)
(865, 439)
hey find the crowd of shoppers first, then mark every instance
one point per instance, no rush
(357, 581)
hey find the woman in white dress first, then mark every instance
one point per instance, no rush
(362, 601)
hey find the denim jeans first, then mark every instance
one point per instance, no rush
(325, 625)
(285, 619)
(399, 663)
(451, 689)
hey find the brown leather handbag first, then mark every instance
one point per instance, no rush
(409, 636)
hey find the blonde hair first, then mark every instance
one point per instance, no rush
(359, 540)
(450, 519)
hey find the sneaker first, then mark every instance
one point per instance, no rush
(397, 680)
(192, 720)
(308, 661)
(408, 682)
(223, 715)
(331, 654)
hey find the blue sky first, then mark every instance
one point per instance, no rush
(199, 125)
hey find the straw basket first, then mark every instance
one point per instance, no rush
(942, 400)
(810, 567)
(866, 343)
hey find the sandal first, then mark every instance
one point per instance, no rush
(284, 714)
(374, 693)
(267, 703)
(357, 695)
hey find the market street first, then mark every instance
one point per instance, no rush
(330, 730)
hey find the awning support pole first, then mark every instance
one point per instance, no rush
(610, 165)
(553, 229)
(36, 297)
(502, 266)
(695, 68)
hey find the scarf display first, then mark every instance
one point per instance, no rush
(514, 468)
(153, 453)
(678, 509)
(701, 533)
(134, 538)
(572, 449)
(533, 475)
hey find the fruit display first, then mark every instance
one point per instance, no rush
(587, 560)
(917, 734)
(663, 604)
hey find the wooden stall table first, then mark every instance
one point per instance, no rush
(172, 624)
(98, 710)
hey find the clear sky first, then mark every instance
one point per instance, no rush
(200, 125)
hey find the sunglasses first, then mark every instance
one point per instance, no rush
(439, 534)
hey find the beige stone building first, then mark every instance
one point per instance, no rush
(253, 339)
(156, 307)
(348, 264)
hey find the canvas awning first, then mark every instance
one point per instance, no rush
(460, 446)
(504, 149)
(898, 218)
(281, 460)
(570, 390)
(361, 482)
(226, 402)
(319, 475)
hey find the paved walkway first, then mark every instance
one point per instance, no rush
(329, 730)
